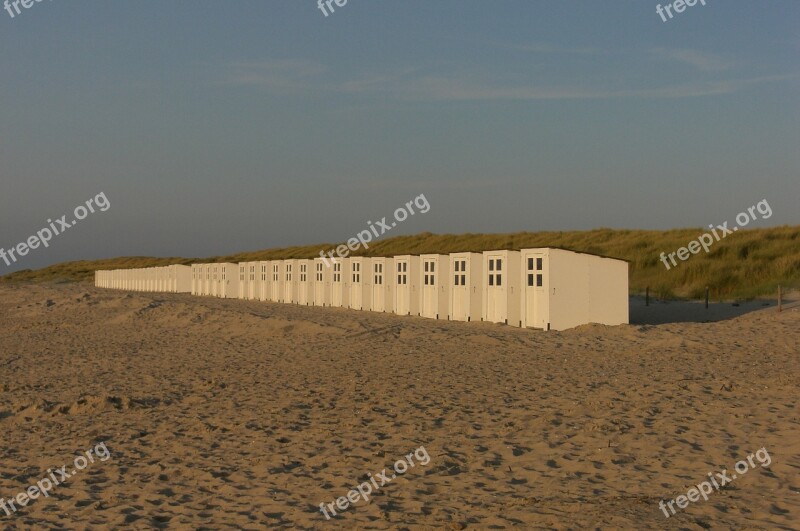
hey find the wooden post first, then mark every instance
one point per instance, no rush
(780, 299)
(706, 297)
(647, 296)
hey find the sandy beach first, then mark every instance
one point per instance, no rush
(223, 414)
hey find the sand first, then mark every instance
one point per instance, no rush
(227, 414)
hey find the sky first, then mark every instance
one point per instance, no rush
(219, 127)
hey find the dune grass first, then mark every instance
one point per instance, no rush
(746, 264)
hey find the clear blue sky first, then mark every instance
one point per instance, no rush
(216, 127)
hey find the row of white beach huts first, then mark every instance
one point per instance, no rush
(545, 288)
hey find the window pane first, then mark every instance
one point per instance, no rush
(491, 280)
(499, 264)
(455, 283)
(463, 280)
(433, 282)
(499, 280)
(530, 280)
(433, 264)
(538, 264)
(539, 281)
(491, 265)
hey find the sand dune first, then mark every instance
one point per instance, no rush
(231, 414)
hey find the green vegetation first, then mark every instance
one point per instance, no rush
(743, 265)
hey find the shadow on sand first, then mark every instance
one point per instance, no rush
(661, 312)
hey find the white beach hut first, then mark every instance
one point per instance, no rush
(434, 286)
(360, 283)
(252, 280)
(264, 280)
(563, 289)
(205, 280)
(244, 283)
(305, 282)
(501, 273)
(466, 287)
(162, 275)
(323, 274)
(382, 285)
(180, 278)
(215, 279)
(290, 277)
(227, 284)
(340, 283)
(248, 280)
(406, 288)
(196, 282)
(278, 281)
